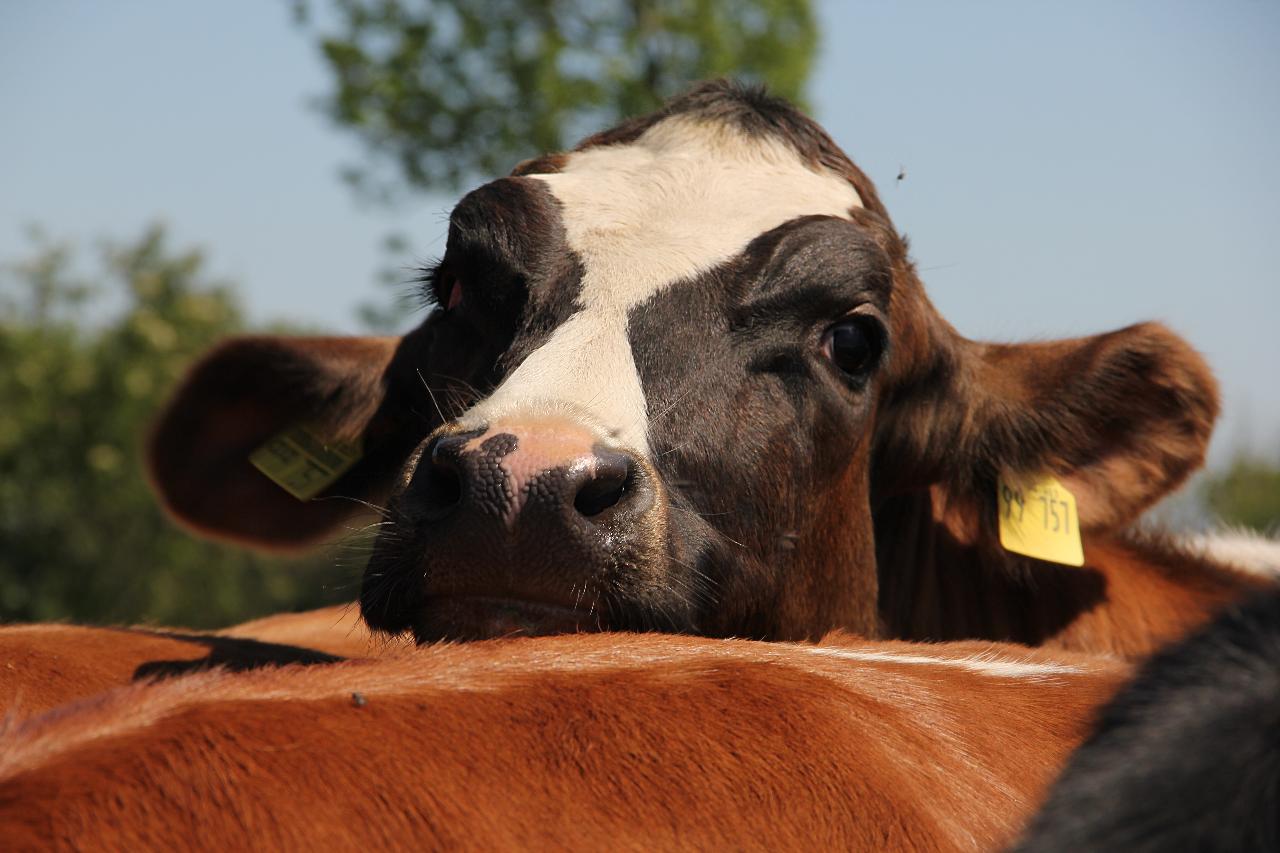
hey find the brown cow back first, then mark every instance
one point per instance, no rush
(44, 666)
(618, 741)
(336, 630)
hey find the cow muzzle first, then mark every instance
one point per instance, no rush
(523, 527)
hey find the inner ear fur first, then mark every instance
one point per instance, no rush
(1121, 419)
(246, 391)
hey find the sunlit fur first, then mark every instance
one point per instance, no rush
(608, 741)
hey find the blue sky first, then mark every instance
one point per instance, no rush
(1070, 168)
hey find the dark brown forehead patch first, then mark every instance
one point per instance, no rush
(547, 164)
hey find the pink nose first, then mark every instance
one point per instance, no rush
(553, 468)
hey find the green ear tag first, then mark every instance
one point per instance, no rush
(302, 462)
(1038, 518)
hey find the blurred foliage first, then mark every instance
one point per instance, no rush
(401, 273)
(446, 90)
(1247, 493)
(88, 359)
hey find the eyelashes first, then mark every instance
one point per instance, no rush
(429, 280)
(425, 280)
(439, 287)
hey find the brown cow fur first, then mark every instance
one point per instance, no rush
(50, 664)
(43, 666)
(1137, 591)
(335, 630)
(588, 741)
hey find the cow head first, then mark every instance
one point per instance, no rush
(669, 378)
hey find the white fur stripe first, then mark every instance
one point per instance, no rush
(1242, 549)
(991, 666)
(682, 199)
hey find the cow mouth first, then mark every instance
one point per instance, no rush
(450, 581)
(487, 617)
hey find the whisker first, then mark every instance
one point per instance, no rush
(431, 393)
(697, 514)
(674, 403)
(380, 510)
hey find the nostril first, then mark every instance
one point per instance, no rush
(610, 480)
(442, 486)
(444, 491)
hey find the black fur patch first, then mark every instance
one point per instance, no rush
(747, 419)
(520, 281)
(1187, 757)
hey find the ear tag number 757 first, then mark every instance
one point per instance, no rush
(1038, 518)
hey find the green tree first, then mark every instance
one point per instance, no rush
(1247, 493)
(88, 359)
(445, 90)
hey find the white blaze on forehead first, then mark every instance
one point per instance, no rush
(680, 200)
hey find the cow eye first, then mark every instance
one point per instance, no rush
(853, 344)
(445, 288)
(455, 295)
(450, 292)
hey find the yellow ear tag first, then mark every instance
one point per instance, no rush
(1038, 518)
(302, 462)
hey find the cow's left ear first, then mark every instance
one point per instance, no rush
(1120, 419)
(253, 393)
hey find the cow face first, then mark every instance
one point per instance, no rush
(669, 378)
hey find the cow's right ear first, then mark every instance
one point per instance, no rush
(249, 391)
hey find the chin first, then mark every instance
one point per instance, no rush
(457, 617)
